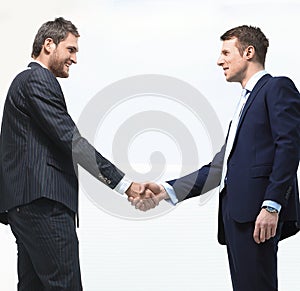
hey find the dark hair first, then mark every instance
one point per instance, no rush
(249, 35)
(57, 30)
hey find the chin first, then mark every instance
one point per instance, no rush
(63, 75)
(228, 79)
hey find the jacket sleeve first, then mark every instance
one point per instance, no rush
(201, 181)
(283, 103)
(47, 108)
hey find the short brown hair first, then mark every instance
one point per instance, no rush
(57, 30)
(249, 35)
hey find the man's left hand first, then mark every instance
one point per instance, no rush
(265, 226)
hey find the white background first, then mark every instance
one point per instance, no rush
(179, 250)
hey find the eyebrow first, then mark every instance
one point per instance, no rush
(73, 48)
(225, 51)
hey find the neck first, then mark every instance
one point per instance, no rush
(42, 60)
(252, 70)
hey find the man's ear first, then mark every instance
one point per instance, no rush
(249, 52)
(49, 45)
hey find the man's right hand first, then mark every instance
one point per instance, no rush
(154, 193)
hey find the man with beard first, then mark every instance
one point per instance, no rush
(40, 148)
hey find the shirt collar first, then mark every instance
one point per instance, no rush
(254, 79)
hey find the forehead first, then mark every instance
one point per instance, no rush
(230, 44)
(70, 41)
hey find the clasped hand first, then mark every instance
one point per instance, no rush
(145, 196)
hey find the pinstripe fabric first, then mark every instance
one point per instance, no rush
(48, 257)
(40, 149)
(39, 143)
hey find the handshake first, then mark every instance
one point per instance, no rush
(144, 196)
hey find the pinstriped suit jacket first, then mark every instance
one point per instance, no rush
(40, 146)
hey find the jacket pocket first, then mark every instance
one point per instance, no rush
(68, 169)
(261, 171)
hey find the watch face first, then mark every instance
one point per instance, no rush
(271, 209)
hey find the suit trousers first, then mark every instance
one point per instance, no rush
(253, 267)
(48, 256)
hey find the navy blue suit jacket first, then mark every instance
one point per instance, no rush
(264, 159)
(40, 145)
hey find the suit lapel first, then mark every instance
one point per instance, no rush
(251, 98)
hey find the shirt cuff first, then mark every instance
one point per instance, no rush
(170, 191)
(123, 185)
(272, 204)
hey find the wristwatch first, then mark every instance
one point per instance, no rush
(270, 209)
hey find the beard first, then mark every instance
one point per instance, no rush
(57, 66)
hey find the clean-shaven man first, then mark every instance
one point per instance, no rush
(256, 169)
